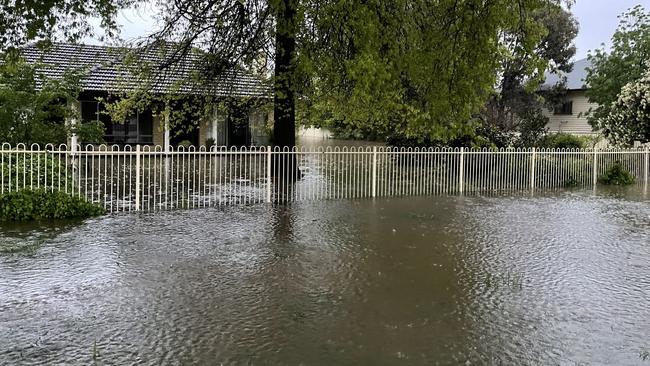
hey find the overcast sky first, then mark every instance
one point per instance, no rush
(597, 18)
(598, 21)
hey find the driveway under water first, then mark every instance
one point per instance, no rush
(554, 279)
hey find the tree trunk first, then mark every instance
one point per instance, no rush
(284, 111)
(285, 167)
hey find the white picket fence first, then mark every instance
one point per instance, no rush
(126, 178)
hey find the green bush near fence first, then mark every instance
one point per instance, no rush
(36, 170)
(562, 141)
(39, 204)
(616, 175)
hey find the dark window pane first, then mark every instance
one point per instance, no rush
(89, 111)
(145, 127)
(564, 108)
(145, 123)
(131, 127)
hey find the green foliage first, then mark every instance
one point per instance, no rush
(562, 141)
(481, 136)
(610, 72)
(644, 355)
(43, 169)
(414, 69)
(409, 68)
(185, 144)
(629, 117)
(531, 128)
(26, 21)
(518, 105)
(33, 108)
(19, 246)
(616, 175)
(89, 132)
(26, 205)
(209, 143)
(571, 182)
(182, 112)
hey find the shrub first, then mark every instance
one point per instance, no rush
(617, 175)
(209, 143)
(185, 144)
(37, 169)
(480, 137)
(562, 141)
(571, 182)
(42, 204)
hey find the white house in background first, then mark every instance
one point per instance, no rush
(569, 117)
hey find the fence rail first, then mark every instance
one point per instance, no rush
(126, 178)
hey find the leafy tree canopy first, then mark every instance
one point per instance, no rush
(516, 109)
(33, 109)
(418, 67)
(629, 116)
(426, 70)
(25, 21)
(610, 72)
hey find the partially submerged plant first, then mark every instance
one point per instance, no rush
(19, 246)
(644, 355)
(38, 204)
(571, 182)
(616, 175)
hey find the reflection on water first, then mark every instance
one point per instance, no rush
(561, 279)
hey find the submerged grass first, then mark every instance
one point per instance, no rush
(8, 246)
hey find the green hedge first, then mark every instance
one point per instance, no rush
(563, 141)
(42, 204)
(38, 169)
(617, 175)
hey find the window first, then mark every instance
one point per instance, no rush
(136, 130)
(564, 108)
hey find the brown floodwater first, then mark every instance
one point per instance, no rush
(555, 279)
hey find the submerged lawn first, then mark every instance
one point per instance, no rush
(554, 279)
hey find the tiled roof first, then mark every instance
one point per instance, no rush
(105, 70)
(575, 79)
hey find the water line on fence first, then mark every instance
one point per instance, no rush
(142, 178)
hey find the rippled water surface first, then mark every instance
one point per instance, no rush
(555, 279)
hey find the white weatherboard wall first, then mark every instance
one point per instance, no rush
(576, 122)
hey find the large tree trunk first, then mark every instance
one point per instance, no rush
(285, 167)
(284, 127)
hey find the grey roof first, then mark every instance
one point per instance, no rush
(105, 70)
(574, 80)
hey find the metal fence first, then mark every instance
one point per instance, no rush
(125, 178)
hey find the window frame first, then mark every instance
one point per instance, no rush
(124, 136)
(564, 109)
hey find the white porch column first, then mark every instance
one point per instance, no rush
(166, 137)
(214, 122)
(72, 123)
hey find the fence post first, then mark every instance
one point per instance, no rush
(268, 174)
(374, 171)
(532, 170)
(646, 168)
(461, 173)
(595, 179)
(137, 177)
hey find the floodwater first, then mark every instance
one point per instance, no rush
(557, 279)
